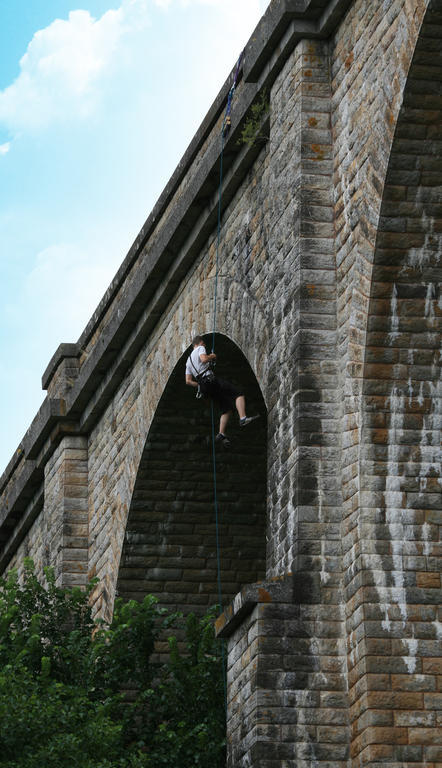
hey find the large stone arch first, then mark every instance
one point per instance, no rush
(131, 413)
(370, 76)
(394, 532)
(170, 542)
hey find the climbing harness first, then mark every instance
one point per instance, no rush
(206, 375)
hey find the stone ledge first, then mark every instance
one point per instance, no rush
(49, 425)
(292, 19)
(20, 493)
(63, 351)
(11, 467)
(31, 511)
(50, 412)
(278, 590)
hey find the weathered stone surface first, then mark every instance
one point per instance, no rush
(328, 314)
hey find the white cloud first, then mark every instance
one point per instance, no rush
(64, 64)
(67, 65)
(4, 148)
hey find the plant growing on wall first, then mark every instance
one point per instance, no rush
(252, 131)
(77, 693)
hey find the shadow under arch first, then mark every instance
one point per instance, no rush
(169, 547)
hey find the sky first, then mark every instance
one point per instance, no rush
(98, 101)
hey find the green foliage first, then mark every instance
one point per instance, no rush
(76, 693)
(191, 700)
(49, 623)
(49, 723)
(252, 130)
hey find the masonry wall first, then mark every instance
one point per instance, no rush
(59, 536)
(401, 478)
(116, 445)
(388, 254)
(328, 311)
(304, 485)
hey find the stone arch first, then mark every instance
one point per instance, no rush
(130, 414)
(400, 491)
(368, 101)
(401, 381)
(169, 545)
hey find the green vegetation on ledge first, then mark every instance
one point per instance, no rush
(252, 131)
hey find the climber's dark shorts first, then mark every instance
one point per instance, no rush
(221, 392)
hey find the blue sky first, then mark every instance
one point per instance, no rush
(98, 101)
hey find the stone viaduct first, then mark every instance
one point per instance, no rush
(328, 314)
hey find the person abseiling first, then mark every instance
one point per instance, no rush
(199, 374)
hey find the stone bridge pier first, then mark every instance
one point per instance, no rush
(328, 316)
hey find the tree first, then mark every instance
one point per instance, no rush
(75, 692)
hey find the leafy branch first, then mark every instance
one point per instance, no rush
(252, 130)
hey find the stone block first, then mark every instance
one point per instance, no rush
(433, 701)
(410, 719)
(428, 580)
(430, 736)
(432, 666)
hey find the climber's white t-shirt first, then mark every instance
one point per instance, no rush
(194, 365)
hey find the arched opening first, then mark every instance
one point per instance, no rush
(400, 451)
(402, 372)
(169, 547)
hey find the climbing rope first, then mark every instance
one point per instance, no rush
(224, 131)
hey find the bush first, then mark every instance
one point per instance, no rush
(252, 131)
(74, 692)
